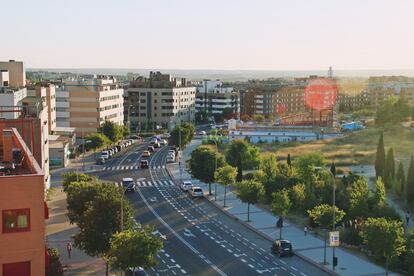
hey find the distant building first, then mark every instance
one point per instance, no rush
(22, 207)
(212, 97)
(159, 101)
(11, 97)
(17, 74)
(87, 103)
(381, 88)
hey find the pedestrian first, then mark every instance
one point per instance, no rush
(407, 217)
(69, 248)
(305, 230)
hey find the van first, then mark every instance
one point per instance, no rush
(128, 184)
(105, 154)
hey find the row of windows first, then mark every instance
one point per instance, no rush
(108, 98)
(143, 94)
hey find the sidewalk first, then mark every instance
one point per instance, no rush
(59, 231)
(308, 247)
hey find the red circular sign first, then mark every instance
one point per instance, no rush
(321, 93)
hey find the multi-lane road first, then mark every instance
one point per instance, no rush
(198, 238)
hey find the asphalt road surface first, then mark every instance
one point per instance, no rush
(198, 238)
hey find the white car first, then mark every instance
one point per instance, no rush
(186, 185)
(196, 192)
(202, 133)
(170, 159)
(105, 154)
(163, 142)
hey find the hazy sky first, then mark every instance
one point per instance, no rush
(209, 34)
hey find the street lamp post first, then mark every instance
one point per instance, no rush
(215, 182)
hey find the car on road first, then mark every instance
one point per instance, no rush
(157, 145)
(146, 153)
(186, 185)
(282, 248)
(144, 164)
(105, 154)
(196, 192)
(128, 184)
(202, 133)
(150, 149)
(163, 142)
(135, 272)
(100, 160)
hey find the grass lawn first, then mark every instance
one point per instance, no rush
(354, 148)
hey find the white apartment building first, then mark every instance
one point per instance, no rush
(160, 101)
(213, 97)
(86, 103)
(11, 97)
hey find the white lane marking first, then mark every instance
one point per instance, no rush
(250, 265)
(219, 271)
(294, 268)
(283, 262)
(303, 274)
(262, 271)
(243, 260)
(183, 271)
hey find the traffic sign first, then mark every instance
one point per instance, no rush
(334, 238)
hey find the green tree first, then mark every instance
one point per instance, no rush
(322, 215)
(249, 191)
(306, 166)
(187, 134)
(101, 219)
(112, 131)
(259, 118)
(332, 169)
(202, 164)
(281, 205)
(268, 170)
(55, 267)
(358, 203)
(96, 141)
(126, 131)
(389, 170)
(289, 161)
(226, 176)
(228, 113)
(380, 157)
(298, 195)
(385, 238)
(70, 177)
(242, 155)
(378, 197)
(134, 248)
(400, 176)
(409, 184)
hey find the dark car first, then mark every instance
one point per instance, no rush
(150, 148)
(100, 161)
(282, 248)
(128, 184)
(144, 164)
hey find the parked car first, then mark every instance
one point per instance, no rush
(170, 158)
(105, 154)
(111, 152)
(100, 160)
(163, 142)
(282, 248)
(128, 184)
(186, 185)
(144, 164)
(135, 137)
(135, 272)
(146, 153)
(196, 192)
(157, 145)
(150, 148)
(202, 132)
(119, 147)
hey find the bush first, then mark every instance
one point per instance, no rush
(351, 236)
(248, 176)
(55, 267)
(386, 212)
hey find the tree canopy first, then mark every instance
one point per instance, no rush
(96, 141)
(112, 131)
(242, 155)
(226, 176)
(380, 157)
(187, 134)
(249, 191)
(323, 215)
(134, 248)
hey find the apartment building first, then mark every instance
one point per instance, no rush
(22, 207)
(17, 73)
(160, 101)
(381, 88)
(11, 97)
(212, 97)
(85, 104)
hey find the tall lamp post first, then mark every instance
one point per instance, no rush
(215, 182)
(332, 177)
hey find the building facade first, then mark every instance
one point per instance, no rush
(22, 207)
(85, 104)
(17, 74)
(159, 101)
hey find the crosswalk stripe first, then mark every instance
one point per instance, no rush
(172, 183)
(116, 168)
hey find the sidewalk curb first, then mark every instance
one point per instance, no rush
(260, 233)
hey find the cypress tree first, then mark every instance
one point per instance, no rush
(289, 161)
(333, 169)
(389, 170)
(380, 157)
(410, 181)
(400, 176)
